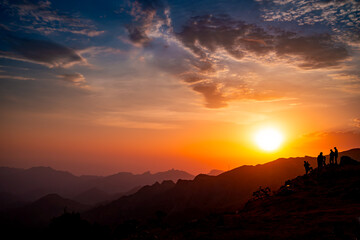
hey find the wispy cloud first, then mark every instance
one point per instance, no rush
(356, 122)
(350, 81)
(76, 79)
(341, 16)
(150, 17)
(39, 16)
(96, 50)
(15, 77)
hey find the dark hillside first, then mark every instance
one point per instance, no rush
(323, 205)
(204, 195)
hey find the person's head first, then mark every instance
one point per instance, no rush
(331, 150)
(335, 148)
(320, 153)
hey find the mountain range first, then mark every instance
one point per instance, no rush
(321, 206)
(233, 205)
(205, 194)
(18, 186)
(178, 199)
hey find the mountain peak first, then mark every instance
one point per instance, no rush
(215, 172)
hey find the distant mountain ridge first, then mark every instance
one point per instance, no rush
(25, 185)
(31, 184)
(40, 212)
(179, 202)
(215, 172)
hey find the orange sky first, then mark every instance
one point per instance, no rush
(154, 85)
(193, 146)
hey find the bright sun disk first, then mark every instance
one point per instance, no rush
(268, 139)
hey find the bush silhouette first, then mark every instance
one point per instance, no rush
(261, 193)
(72, 226)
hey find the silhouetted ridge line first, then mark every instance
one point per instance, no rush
(204, 194)
(324, 204)
(33, 183)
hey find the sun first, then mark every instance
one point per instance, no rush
(269, 139)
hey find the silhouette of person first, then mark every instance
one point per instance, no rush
(332, 155)
(307, 167)
(336, 154)
(320, 160)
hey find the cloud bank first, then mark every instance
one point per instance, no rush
(42, 52)
(215, 40)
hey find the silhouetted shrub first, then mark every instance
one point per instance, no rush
(345, 160)
(72, 226)
(284, 191)
(261, 193)
(127, 229)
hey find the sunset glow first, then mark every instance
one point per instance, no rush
(180, 119)
(160, 84)
(268, 139)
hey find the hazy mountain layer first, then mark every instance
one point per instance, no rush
(26, 185)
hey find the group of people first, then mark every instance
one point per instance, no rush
(321, 160)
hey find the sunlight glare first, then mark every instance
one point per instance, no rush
(268, 139)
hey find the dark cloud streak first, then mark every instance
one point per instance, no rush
(237, 38)
(43, 52)
(214, 33)
(318, 51)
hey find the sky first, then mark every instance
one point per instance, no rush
(98, 87)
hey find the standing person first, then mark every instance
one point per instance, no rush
(332, 155)
(307, 167)
(320, 160)
(336, 154)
